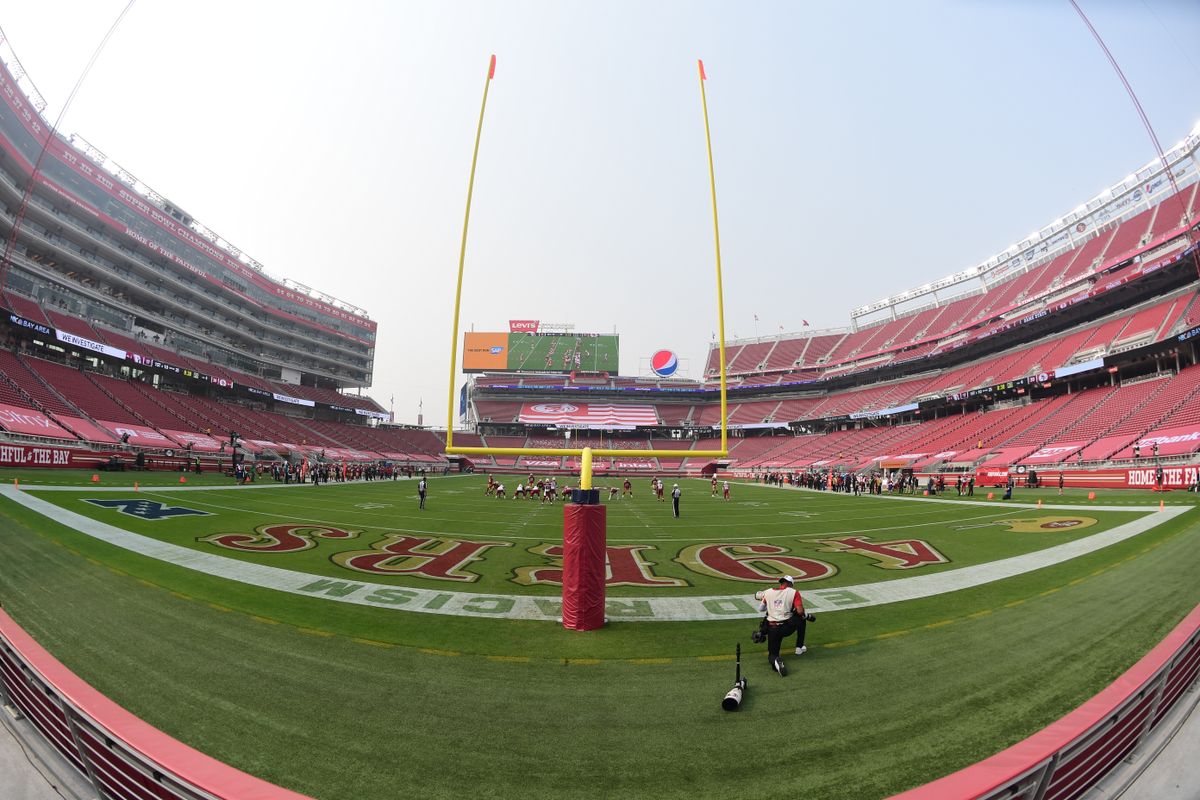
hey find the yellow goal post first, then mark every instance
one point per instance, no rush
(586, 454)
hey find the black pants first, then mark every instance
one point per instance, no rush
(675, 505)
(422, 496)
(777, 633)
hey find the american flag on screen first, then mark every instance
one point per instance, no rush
(593, 414)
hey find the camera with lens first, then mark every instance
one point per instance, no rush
(758, 637)
(809, 617)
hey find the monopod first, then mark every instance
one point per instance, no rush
(733, 699)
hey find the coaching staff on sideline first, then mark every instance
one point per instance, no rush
(785, 616)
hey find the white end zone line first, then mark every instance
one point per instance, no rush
(647, 609)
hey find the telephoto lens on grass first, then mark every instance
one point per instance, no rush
(733, 698)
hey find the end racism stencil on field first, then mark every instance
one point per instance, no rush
(736, 604)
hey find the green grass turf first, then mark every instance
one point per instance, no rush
(801, 523)
(887, 697)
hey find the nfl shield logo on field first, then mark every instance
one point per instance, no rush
(664, 363)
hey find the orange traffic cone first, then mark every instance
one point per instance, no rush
(1161, 506)
(1039, 502)
(135, 486)
(16, 483)
(1091, 495)
(991, 495)
(183, 479)
(95, 478)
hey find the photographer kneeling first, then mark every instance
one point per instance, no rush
(785, 615)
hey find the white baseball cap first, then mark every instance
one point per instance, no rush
(788, 578)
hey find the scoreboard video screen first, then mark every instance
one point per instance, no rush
(540, 352)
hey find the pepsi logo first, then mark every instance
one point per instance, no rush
(555, 408)
(664, 363)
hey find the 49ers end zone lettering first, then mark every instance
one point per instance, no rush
(463, 561)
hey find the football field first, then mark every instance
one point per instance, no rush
(400, 650)
(534, 353)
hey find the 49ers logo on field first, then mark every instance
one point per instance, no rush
(1040, 524)
(1037, 524)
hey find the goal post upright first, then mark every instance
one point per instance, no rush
(462, 257)
(584, 518)
(586, 454)
(712, 183)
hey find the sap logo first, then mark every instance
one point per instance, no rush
(497, 350)
(148, 509)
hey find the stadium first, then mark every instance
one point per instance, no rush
(218, 583)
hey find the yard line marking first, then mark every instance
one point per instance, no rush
(891, 634)
(371, 642)
(433, 651)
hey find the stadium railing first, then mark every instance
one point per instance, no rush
(1069, 757)
(119, 754)
(125, 757)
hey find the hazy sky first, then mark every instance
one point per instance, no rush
(860, 148)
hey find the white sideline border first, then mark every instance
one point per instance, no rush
(548, 608)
